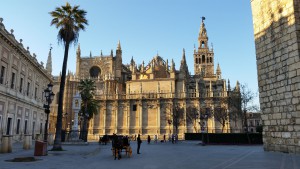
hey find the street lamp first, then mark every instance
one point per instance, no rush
(49, 95)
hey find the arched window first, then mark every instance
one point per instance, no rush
(202, 44)
(203, 58)
(95, 71)
(210, 59)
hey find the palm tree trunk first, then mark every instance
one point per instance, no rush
(57, 140)
(85, 123)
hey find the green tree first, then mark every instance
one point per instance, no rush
(69, 20)
(92, 108)
(87, 89)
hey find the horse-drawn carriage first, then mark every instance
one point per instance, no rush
(121, 144)
(104, 140)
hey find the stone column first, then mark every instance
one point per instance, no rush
(128, 117)
(158, 118)
(104, 118)
(140, 118)
(115, 106)
(76, 107)
(75, 128)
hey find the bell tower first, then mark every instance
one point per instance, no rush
(203, 56)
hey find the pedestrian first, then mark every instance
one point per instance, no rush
(155, 138)
(164, 138)
(135, 137)
(139, 142)
(176, 138)
(173, 138)
(149, 139)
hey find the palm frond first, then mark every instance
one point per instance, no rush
(69, 20)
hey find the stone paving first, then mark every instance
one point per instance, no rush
(184, 155)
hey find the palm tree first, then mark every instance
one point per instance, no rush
(92, 109)
(87, 91)
(69, 20)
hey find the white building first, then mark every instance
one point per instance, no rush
(22, 82)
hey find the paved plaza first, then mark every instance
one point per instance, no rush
(184, 155)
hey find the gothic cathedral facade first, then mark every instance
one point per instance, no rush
(153, 98)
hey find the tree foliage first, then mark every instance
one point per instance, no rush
(221, 115)
(240, 102)
(87, 90)
(92, 108)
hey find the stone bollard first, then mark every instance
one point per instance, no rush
(6, 146)
(50, 139)
(27, 142)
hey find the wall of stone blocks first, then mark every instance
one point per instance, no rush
(277, 35)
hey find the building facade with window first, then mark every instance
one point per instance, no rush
(154, 98)
(22, 82)
(253, 121)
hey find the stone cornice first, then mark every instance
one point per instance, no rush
(18, 47)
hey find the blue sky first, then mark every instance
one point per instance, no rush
(144, 28)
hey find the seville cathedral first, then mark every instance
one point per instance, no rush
(142, 98)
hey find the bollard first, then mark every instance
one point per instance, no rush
(6, 146)
(27, 142)
(50, 139)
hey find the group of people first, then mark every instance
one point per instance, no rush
(173, 138)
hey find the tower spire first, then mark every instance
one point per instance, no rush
(203, 57)
(49, 61)
(183, 65)
(119, 45)
(183, 60)
(228, 86)
(203, 39)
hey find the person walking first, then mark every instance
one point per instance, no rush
(149, 139)
(139, 142)
(173, 138)
(164, 138)
(155, 138)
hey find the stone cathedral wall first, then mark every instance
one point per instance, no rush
(277, 35)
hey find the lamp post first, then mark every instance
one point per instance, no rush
(49, 95)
